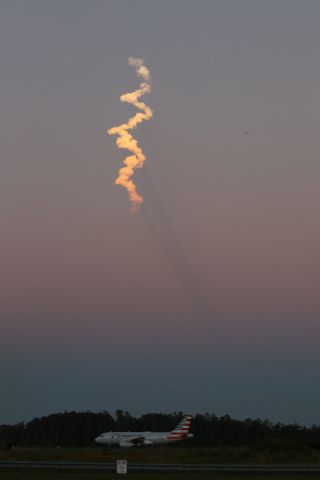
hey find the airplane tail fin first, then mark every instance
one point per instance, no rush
(181, 430)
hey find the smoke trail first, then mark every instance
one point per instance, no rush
(157, 220)
(125, 139)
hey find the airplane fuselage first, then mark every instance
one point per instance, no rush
(137, 438)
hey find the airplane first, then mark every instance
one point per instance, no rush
(131, 439)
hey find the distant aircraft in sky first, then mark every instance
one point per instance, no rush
(131, 439)
(246, 132)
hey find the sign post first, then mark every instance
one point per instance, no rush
(122, 466)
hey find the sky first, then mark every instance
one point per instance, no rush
(208, 299)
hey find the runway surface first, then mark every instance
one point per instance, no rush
(182, 468)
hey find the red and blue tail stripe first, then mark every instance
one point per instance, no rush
(181, 430)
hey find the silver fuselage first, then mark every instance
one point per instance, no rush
(132, 438)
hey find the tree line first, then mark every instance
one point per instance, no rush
(81, 428)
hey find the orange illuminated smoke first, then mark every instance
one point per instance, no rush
(126, 140)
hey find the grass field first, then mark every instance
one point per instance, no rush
(267, 455)
(200, 455)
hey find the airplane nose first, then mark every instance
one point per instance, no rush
(98, 439)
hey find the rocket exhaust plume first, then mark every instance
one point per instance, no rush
(125, 139)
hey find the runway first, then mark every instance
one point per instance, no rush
(182, 468)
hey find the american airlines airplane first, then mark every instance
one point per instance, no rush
(131, 439)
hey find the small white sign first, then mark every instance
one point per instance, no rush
(122, 466)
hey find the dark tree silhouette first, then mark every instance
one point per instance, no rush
(80, 429)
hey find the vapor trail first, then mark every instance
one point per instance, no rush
(125, 139)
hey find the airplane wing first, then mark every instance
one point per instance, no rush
(138, 440)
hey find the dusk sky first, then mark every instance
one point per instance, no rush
(208, 299)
